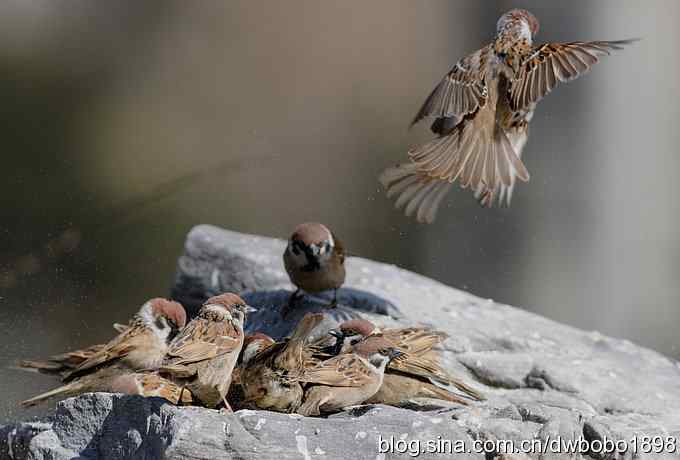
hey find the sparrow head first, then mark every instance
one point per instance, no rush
(350, 333)
(228, 306)
(377, 350)
(310, 246)
(165, 317)
(517, 25)
(253, 344)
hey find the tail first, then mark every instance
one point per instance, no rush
(70, 389)
(417, 192)
(503, 191)
(45, 367)
(60, 364)
(462, 386)
(431, 370)
(432, 391)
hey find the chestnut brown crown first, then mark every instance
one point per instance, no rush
(357, 327)
(513, 17)
(169, 309)
(311, 233)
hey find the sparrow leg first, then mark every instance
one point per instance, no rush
(180, 402)
(227, 408)
(291, 301)
(334, 302)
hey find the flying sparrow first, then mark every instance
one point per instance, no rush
(143, 344)
(269, 378)
(150, 385)
(315, 261)
(347, 379)
(203, 355)
(481, 110)
(415, 374)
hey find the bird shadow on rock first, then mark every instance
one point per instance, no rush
(351, 303)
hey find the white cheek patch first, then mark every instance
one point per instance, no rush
(525, 31)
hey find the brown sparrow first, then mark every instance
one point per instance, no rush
(481, 110)
(157, 322)
(347, 379)
(269, 378)
(203, 355)
(415, 374)
(143, 344)
(315, 261)
(150, 385)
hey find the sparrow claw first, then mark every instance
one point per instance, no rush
(334, 302)
(291, 302)
(227, 408)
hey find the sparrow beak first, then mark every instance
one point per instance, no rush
(249, 309)
(394, 353)
(336, 333)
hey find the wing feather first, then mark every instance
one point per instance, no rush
(556, 62)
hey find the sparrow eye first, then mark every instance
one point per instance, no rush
(295, 248)
(161, 323)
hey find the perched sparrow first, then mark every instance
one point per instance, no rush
(269, 378)
(150, 385)
(138, 346)
(99, 380)
(315, 261)
(482, 109)
(417, 373)
(143, 344)
(415, 341)
(347, 379)
(203, 355)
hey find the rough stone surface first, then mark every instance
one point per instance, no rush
(542, 379)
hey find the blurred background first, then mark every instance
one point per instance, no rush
(126, 123)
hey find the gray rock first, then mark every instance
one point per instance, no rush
(544, 381)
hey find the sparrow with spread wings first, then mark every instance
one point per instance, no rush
(481, 110)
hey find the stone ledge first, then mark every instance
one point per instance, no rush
(541, 378)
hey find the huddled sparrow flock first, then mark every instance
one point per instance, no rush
(209, 361)
(481, 112)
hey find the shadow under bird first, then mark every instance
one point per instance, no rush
(481, 111)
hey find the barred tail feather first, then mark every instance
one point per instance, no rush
(417, 193)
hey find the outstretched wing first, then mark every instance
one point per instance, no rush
(461, 92)
(551, 63)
